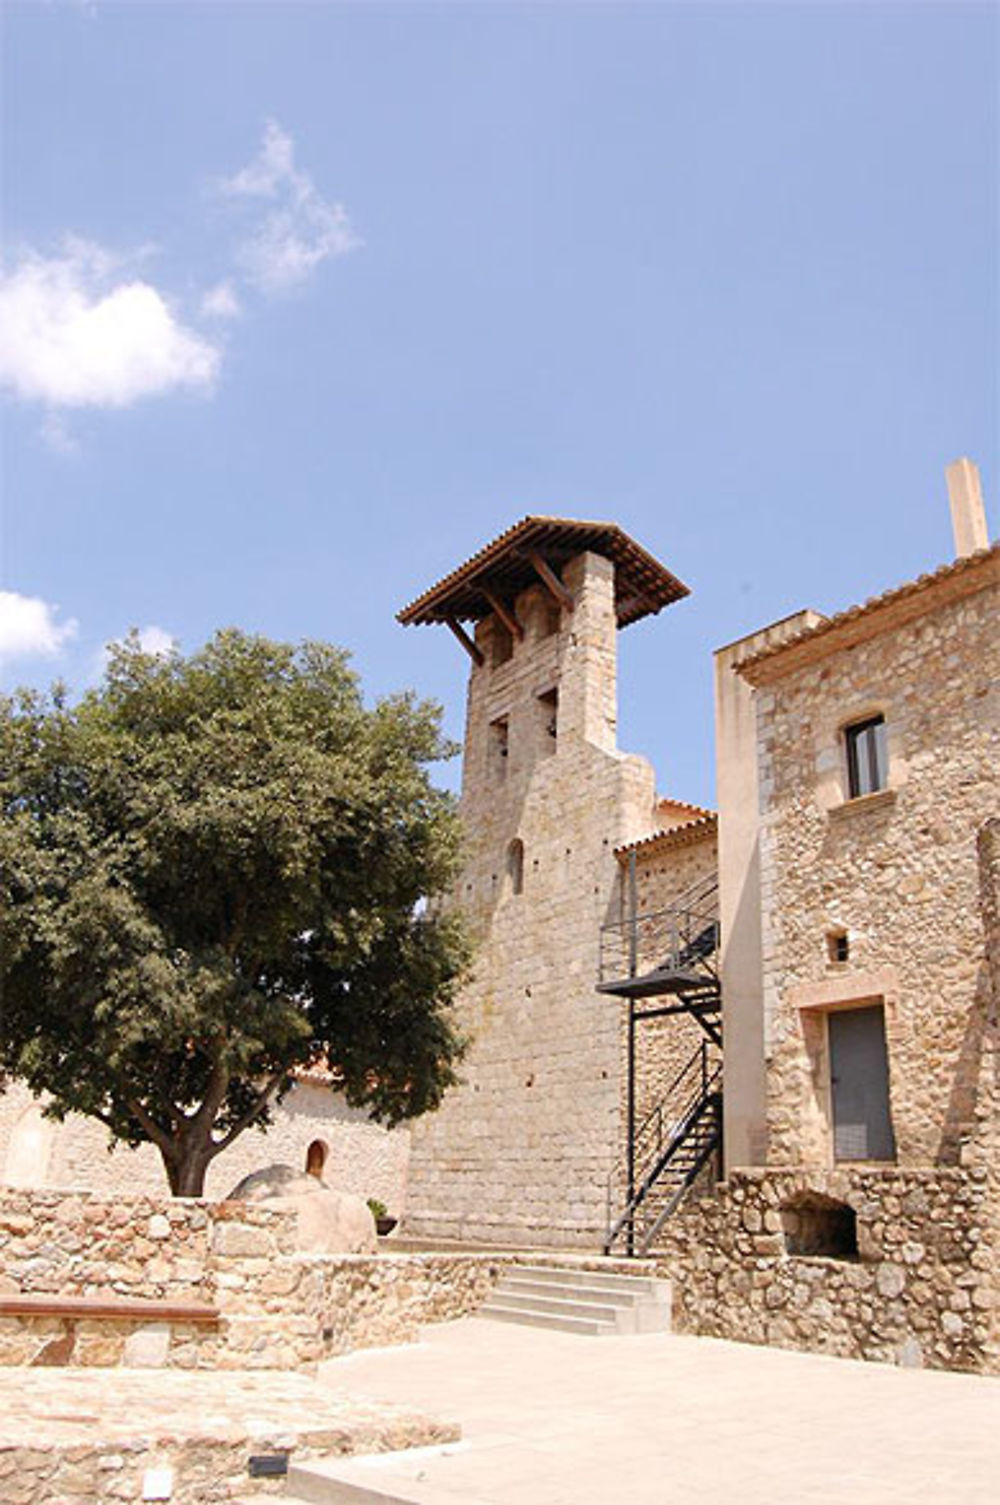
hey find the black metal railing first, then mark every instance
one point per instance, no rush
(682, 938)
(671, 1147)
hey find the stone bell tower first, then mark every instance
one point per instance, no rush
(520, 1152)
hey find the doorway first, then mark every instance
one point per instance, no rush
(859, 1084)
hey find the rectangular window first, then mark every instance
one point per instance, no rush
(867, 764)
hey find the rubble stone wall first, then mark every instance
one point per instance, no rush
(922, 1290)
(279, 1308)
(896, 871)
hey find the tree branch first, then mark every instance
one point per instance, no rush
(218, 1085)
(246, 1119)
(159, 1136)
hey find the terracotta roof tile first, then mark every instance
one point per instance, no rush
(672, 836)
(843, 621)
(642, 585)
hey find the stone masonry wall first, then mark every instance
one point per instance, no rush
(985, 1145)
(923, 1289)
(898, 871)
(521, 1151)
(280, 1309)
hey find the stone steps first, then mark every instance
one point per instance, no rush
(368, 1479)
(588, 1302)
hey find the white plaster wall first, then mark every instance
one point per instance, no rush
(363, 1157)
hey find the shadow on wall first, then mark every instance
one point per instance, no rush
(975, 1087)
(30, 1149)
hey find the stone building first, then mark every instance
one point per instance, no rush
(311, 1123)
(822, 957)
(858, 761)
(877, 748)
(525, 1149)
(853, 873)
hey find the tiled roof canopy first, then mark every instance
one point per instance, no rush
(506, 566)
(674, 836)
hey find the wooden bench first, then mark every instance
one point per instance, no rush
(38, 1328)
(110, 1308)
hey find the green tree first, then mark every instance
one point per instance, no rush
(216, 869)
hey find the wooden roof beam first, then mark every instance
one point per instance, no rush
(506, 616)
(638, 600)
(551, 580)
(467, 643)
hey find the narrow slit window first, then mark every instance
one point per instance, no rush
(499, 748)
(548, 719)
(515, 865)
(838, 946)
(867, 763)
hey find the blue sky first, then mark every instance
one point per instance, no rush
(306, 302)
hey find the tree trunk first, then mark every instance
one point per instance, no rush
(186, 1167)
(187, 1154)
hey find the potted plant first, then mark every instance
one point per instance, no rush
(383, 1222)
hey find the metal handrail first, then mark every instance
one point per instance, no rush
(698, 1058)
(714, 1101)
(670, 935)
(647, 1161)
(710, 1098)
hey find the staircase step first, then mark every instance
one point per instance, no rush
(581, 1301)
(542, 1290)
(597, 1280)
(496, 1311)
(569, 1305)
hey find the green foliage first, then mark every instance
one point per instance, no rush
(377, 1209)
(216, 869)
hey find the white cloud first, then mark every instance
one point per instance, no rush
(28, 627)
(221, 302)
(156, 640)
(300, 231)
(70, 336)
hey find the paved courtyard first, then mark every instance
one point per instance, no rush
(553, 1419)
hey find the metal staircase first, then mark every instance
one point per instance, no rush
(670, 955)
(672, 1146)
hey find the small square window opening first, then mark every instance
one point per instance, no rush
(838, 946)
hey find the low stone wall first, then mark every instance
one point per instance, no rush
(279, 1309)
(77, 1244)
(922, 1289)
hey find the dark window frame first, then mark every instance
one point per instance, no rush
(867, 757)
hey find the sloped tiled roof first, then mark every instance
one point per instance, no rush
(642, 585)
(900, 604)
(672, 836)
